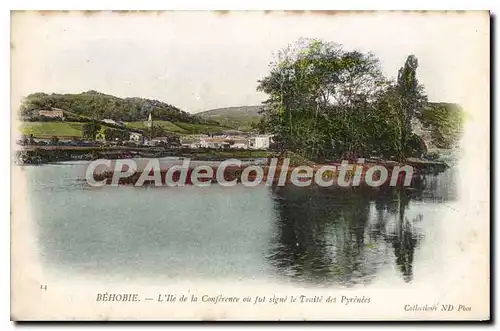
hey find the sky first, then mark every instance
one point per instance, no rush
(204, 60)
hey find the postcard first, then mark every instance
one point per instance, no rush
(250, 165)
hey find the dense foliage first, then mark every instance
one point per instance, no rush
(91, 129)
(156, 131)
(97, 105)
(114, 134)
(325, 101)
(445, 121)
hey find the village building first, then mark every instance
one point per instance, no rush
(136, 137)
(160, 140)
(109, 121)
(149, 143)
(52, 113)
(260, 141)
(191, 143)
(171, 140)
(196, 136)
(217, 142)
(113, 122)
(226, 141)
(238, 142)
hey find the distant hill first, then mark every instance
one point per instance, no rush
(93, 104)
(239, 118)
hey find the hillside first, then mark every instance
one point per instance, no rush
(50, 129)
(83, 107)
(92, 104)
(239, 118)
(181, 127)
(445, 122)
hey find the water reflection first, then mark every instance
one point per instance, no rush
(313, 235)
(343, 236)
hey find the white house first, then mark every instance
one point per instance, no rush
(191, 143)
(53, 113)
(134, 136)
(260, 141)
(238, 143)
(218, 142)
(160, 140)
(109, 121)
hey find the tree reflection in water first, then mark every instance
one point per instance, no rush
(343, 236)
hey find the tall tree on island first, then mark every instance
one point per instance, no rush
(411, 102)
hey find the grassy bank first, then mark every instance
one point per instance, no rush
(75, 129)
(50, 129)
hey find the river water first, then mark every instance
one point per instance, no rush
(311, 235)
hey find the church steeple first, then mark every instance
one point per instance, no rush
(150, 121)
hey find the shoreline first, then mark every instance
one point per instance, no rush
(270, 175)
(39, 155)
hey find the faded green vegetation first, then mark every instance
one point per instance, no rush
(324, 102)
(81, 110)
(75, 129)
(243, 118)
(167, 125)
(295, 159)
(94, 106)
(180, 128)
(49, 129)
(97, 105)
(445, 120)
(70, 129)
(193, 128)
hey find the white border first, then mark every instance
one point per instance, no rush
(6, 6)
(250, 5)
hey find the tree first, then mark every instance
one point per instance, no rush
(155, 131)
(445, 121)
(320, 97)
(114, 134)
(90, 129)
(411, 101)
(95, 105)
